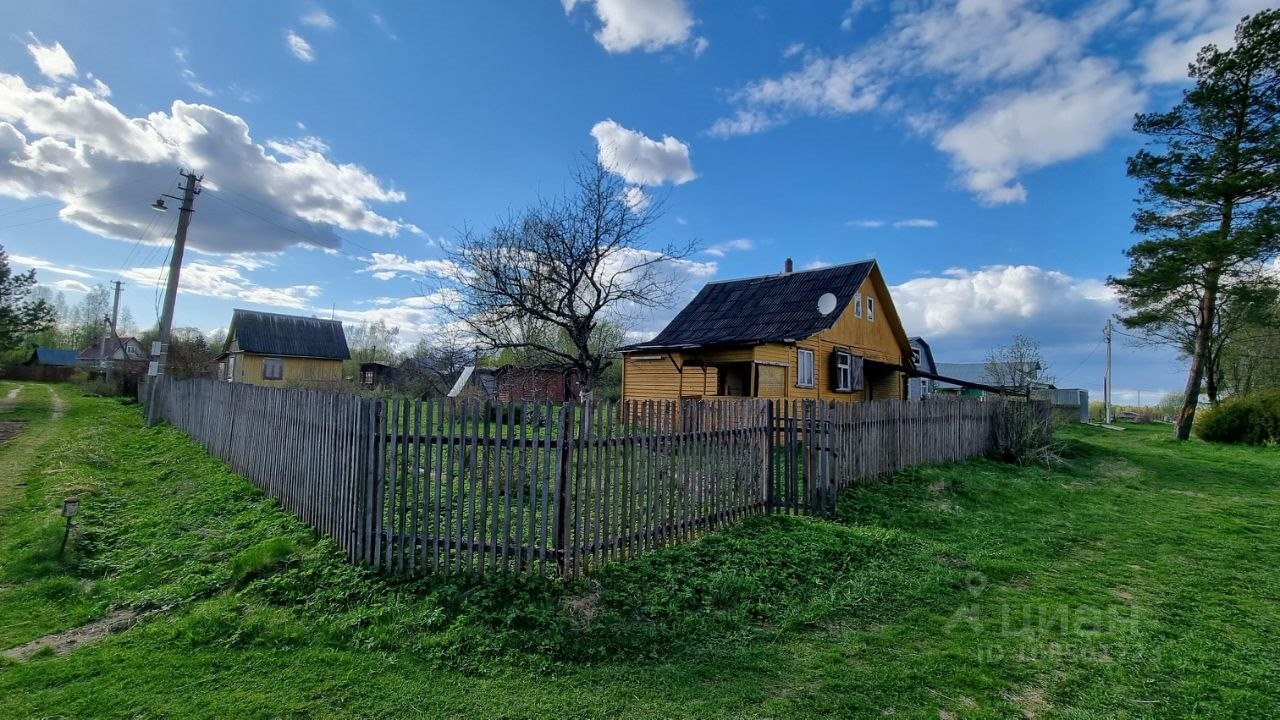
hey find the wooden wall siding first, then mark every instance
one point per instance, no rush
(661, 380)
(448, 486)
(296, 370)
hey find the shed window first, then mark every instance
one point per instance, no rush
(804, 371)
(272, 368)
(871, 309)
(368, 377)
(844, 371)
(857, 305)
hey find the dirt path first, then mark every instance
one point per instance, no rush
(59, 405)
(11, 399)
(68, 640)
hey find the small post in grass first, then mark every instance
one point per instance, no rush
(70, 507)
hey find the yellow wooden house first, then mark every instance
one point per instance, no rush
(278, 350)
(825, 334)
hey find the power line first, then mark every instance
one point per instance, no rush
(1085, 360)
(62, 201)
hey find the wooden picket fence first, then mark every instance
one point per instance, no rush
(419, 486)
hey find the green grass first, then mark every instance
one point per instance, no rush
(1138, 581)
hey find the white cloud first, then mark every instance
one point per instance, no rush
(724, 248)
(74, 286)
(1077, 113)
(387, 266)
(1196, 23)
(636, 199)
(73, 145)
(1038, 95)
(319, 19)
(48, 266)
(916, 223)
(300, 48)
(649, 25)
(224, 281)
(53, 61)
(700, 45)
(997, 301)
(793, 49)
(641, 160)
(817, 264)
(189, 75)
(908, 223)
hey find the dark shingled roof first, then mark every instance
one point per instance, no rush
(772, 308)
(275, 334)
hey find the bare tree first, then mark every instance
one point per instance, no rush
(1018, 366)
(550, 279)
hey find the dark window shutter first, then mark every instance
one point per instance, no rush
(858, 373)
(835, 370)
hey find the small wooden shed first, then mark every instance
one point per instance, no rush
(272, 349)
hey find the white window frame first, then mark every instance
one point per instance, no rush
(804, 357)
(844, 371)
(857, 305)
(871, 309)
(277, 363)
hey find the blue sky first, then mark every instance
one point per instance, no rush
(976, 149)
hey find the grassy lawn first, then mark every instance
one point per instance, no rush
(1138, 581)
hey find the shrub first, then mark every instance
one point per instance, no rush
(1253, 419)
(1024, 434)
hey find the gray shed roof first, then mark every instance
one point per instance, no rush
(289, 335)
(770, 308)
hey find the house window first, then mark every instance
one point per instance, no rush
(857, 305)
(804, 373)
(871, 309)
(844, 371)
(915, 356)
(272, 368)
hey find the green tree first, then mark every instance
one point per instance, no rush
(21, 316)
(1209, 180)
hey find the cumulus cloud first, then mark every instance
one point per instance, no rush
(641, 160)
(650, 26)
(53, 61)
(226, 282)
(73, 145)
(996, 301)
(300, 48)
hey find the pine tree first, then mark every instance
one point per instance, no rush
(1210, 179)
(20, 315)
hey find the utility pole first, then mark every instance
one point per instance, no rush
(1106, 387)
(189, 192)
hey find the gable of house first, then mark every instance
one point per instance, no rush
(127, 348)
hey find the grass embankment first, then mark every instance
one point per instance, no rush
(1138, 581)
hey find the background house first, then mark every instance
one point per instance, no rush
(102, 351)
(514, 383)
(52, 357)
(1009, 378)
(830, 333)
(922, 359)
(273, 349)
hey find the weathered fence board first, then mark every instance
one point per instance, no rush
(418, 486)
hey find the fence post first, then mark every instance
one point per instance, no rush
(564, 472)
(767, 447)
